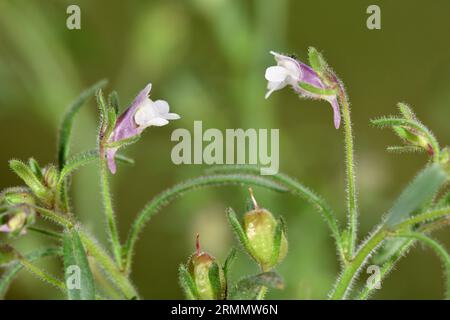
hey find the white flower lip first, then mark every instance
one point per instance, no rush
(154, 113)
(285, 72)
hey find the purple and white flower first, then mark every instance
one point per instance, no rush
(291, 72)
(142, 114)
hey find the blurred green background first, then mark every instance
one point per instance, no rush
(207, 59)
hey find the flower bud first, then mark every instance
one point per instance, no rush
(207, 275)
(261, 229)
(17, 198)
(51, 176)
(413, 137)
(16, 220)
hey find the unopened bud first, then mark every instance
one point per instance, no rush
(51, 176)
(17, 198)
(413, 137)
(16, 220)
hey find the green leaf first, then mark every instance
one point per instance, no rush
(418, 193)
(406, 111)
(229, 262)
(84, 158)
(316, 60)
(404, 149)
(249, 287)
(79, 279)
(187, 284)
(103, 108)
(316, 90)
(11, 272)
(66, 125)
(238, 231)
(214, 279)
(123, 142)
(114, 102)
(30, 179)
(388, 250)
(277, 236)
(34, 166)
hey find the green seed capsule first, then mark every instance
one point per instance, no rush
(259, 227)
(207, 275)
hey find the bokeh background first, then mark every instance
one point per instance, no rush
(207, 58)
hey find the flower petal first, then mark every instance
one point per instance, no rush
(161, 106)
(4, 228)
(336, 111)
(159, 122)
(276, 74)
(171, 116)
(274, 86)
(145, 113)
(110, 155)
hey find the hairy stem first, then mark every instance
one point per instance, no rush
(113, 233)
(43, 275)
(344, 282)
(352, 205)
(97, 252)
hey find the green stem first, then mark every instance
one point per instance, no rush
(344, 282)
(352, 205)
(43, 275)
(55, 217)
(386, 269)
(46, 232)
(262, 293)
(99, 254)
(113, 233)
(107, 264)
(423, 217)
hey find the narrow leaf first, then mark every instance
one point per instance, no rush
(406, 111)
(30, 179)
(84, 158)
(10, 273)
(66, 125)
(316, 90)
(420, 191)
(277, 242)
(237, 228)
(187, 284)
(229, 262)
(34, 166)
(114, 102)
(214, 279)
(79, 279)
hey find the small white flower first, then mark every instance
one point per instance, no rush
(153, 113)
(142, 114)
(286, 72)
